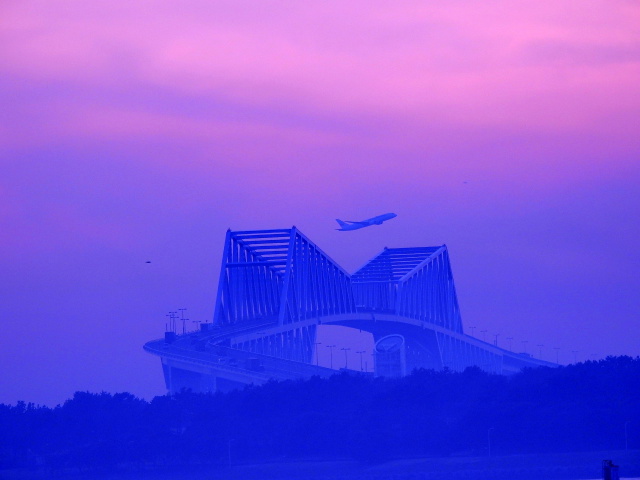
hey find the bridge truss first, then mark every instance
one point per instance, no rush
(276, 287)
(278, 278)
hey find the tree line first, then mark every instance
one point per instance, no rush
(586, 406)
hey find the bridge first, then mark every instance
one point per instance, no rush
(277, 288)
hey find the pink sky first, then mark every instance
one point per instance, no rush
(143, 130)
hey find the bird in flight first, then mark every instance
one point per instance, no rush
(350, 225)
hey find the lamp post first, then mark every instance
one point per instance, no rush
(472, 329)
(184, 320)
(510, 340)
(495, 339)
(174, 317)
(345, 350)
(557, 349)
(331, 347)
(484, 338)
(360, 352)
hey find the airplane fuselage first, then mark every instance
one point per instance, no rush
(351, 225)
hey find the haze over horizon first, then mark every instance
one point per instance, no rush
(131, 134)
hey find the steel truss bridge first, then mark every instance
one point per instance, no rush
(277, 287)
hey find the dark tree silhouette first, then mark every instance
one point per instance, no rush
(572, 408)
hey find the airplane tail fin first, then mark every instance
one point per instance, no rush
(341, 223)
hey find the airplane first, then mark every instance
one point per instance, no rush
(350, 225)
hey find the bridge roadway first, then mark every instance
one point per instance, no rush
(204, 361)
(224, 357)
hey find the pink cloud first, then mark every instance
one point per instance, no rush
(467, 63)
(440, 90)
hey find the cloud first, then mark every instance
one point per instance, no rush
(474, 64)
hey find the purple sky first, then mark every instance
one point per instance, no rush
(134, 131)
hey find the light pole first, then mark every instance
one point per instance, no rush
(360, 352)
(495, 339)
(316, 344)
(345, 350)
(484, 338)
(472, 330)
(510, 340)
(524, 344)
(184, 326)
(331, 347)
(174, 317)
(539, 345)
(557, 349)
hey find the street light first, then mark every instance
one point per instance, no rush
(472, 329)
(539, 345)
(360, 352)
(524, 345)
(184, 327)
(557, 349)
(510, 339)
(495, 339)
(174, 317)
(484, 338)
(331, 347)
(345, 350)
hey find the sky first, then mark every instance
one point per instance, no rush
(141, 131)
